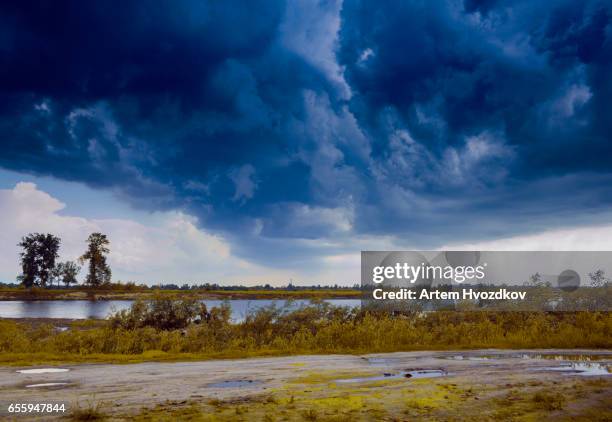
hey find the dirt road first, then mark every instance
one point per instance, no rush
(127, 389)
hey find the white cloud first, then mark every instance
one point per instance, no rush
(572, 99)
(244, 182)
(365, 55)
(310, 29)
(170, 249)
(304, 218)
(593, 238)
(474, 160)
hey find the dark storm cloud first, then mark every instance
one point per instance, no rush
(153, 97)
(464, 102)
(273, 121)
(533, 72)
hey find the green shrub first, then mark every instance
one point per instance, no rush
(161, 312)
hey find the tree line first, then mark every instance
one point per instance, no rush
(39, 266)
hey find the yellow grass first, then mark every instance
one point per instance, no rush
(317, 329)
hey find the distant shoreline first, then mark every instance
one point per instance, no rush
(11, 294)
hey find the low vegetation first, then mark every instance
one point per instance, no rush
(162, 329)
(126, 291)
(164, 313)
(396, 400)
(90, 411)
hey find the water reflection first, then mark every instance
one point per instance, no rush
(233, 384)
(81, 309)
(580, 368)
(420, 373)
(72, 309)
(532, 356)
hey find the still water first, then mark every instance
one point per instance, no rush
(81, 309)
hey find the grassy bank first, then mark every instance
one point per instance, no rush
(135, 293)
(320, 328)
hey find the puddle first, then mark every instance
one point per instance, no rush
(579, 368)
(378, 361)
(47, 384)
(233, 384)
(578, 358)
(42, 370)
(388, 361)
(531, 356)
(421, 373)
(470, 358)
(425, 373)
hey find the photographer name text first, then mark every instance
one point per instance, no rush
(463, 294)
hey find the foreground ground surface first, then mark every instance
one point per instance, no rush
(475, 385)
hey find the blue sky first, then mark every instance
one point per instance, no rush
(291, 135)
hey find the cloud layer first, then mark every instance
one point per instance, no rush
(295, 131)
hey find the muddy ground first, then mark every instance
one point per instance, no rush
(462, 386)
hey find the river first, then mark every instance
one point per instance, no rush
(81, 309)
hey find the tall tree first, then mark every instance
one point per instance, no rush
(99, 272)
(29, 269)
(38, 258)
(47, 254)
